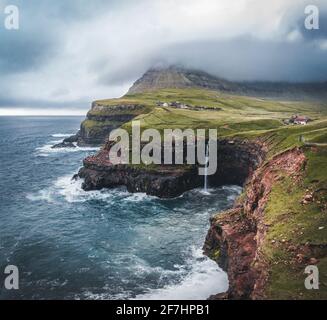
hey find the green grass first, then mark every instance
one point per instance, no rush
(291, 223)
(107, 111)
(238, 114)
(93, 127)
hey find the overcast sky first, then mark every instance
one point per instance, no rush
(70, 52)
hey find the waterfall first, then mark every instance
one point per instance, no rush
(206, 170)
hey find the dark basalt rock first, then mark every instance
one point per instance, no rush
(100, 121)
(236, 161)
(64, 145)
(165, 183)
(73, 138)
(69, 142)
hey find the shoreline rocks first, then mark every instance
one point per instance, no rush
(163, 183)
(64, 144)
(235, 163)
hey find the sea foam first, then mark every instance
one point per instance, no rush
(47, 149)
(204, 279)
(61, 135)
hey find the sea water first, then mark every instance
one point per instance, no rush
(108, 244)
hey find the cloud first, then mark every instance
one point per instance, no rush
(72, 52)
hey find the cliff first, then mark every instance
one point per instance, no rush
(104, 116)
(236, 161)
(265, 242)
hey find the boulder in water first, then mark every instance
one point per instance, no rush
(63, 145)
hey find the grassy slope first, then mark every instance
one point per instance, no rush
(294, 224)
(237, 114)
(291, 223)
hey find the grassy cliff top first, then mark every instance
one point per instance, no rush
(211, 98)
(235, 116)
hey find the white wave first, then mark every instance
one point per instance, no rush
(42, 195)
(207, 192)
(71, 190)
(138, 197)
(47, 149)
(233, 188)
(62, 135)
(88, 295)
(68, 188)
(204, 279)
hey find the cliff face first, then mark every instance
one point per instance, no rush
(164, 182)
(236, 161)
(101, 120)
(236, 237)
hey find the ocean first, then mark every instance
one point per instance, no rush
(109, 244)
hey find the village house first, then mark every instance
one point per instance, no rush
(180, 105)
(298, 120)
(162, 104)
(177, 104)
(301, 120)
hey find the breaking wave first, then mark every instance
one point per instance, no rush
(197, 279)
(61, 135)
(47, 149)
(71, 190)
(203, 280)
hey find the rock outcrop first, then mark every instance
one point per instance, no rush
(236, 161)
(101, 120)
(64, 144)
(163, 182)
(236, 237)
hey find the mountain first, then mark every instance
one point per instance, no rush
(178, 77)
